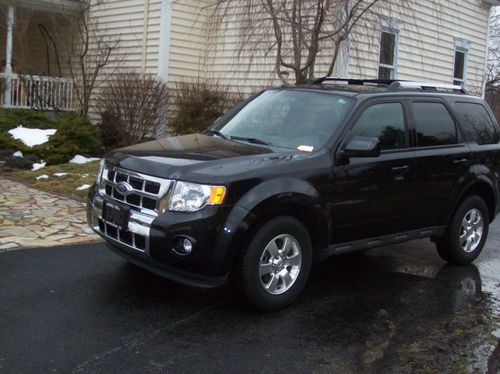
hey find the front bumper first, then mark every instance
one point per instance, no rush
(148, 240)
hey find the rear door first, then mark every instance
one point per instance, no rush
(373, 196)
(442, 160)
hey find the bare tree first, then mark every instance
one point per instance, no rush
(89, 51)
(492, 79)
(299, 32)
(133, 106)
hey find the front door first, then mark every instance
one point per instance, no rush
(374, 196)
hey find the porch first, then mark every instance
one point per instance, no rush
(33, 74)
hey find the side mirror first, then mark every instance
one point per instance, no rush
(362, 146)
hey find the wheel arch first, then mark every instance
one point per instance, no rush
(265, 202)
(483, 188)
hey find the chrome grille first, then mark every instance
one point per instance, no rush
(131, 239)
(146, 193)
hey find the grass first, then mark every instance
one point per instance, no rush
(65, 185)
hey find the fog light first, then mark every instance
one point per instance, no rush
(183, 246)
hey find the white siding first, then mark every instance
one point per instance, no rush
(427, 42)
(426, 48)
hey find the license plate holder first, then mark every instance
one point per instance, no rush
(116, 214)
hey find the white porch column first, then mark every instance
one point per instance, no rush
(8, 54)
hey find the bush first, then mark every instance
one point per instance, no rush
(7, 142)
(11, 118)
(74, 136)
(199, 104)
(132, 107)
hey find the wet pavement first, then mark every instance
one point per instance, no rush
(396, 309)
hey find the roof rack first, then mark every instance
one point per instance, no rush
(395, 85)
(356, 82)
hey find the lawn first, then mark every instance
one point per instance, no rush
(77, 175)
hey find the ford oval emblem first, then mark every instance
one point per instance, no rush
(124, 188)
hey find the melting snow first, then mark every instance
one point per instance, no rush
(60, 174)
(39, 166)
(78, 159)
(44, 176)
(31, 137)
(83, 187)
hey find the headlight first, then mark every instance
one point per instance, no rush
(190, 197)
(99, 172)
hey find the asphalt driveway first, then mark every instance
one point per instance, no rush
(397, 309)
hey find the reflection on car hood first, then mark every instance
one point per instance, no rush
(198, 156)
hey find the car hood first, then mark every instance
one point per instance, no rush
(199, 157)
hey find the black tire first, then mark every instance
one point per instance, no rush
(246, 275)
(449, 247)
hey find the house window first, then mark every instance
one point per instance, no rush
(459, 74)
(460, 67)
(387, 67)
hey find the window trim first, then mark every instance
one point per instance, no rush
(462, 46)
(386, 28)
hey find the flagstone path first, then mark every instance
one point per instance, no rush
(33, 218)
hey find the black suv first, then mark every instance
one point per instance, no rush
(294, 175)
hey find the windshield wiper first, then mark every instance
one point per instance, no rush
(216, 132)
(249, 140)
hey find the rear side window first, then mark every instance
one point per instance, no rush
(434, 125)
(477, 123)
(385, 122)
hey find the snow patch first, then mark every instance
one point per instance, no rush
(39, 166)
(44, 176)
(83, 187)
(31, 137)
(60, 174)
(79, 159)
(18, 154)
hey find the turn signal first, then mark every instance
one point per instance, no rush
(217, 194)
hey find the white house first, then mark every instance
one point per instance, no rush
(443, 41)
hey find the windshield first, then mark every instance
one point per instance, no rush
(302, 120)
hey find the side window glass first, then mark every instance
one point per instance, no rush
(478, 125)
(434, 125)
(385, 122)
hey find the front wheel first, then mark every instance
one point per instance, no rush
(276, 265)
(466, 234)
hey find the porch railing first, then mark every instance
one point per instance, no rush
(37, 92)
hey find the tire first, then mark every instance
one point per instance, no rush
(462, 251)
(273, 276)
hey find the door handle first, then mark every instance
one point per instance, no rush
(400, 168)
(461, 161)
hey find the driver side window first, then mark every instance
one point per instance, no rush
(386, 123)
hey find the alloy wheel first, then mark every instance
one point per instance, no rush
(471, 231)
(280, 263)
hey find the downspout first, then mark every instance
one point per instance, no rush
(145, 36)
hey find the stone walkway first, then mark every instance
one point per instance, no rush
(32, 218)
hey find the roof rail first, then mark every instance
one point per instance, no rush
(395, 85)
(357, 82)
(426, 86)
